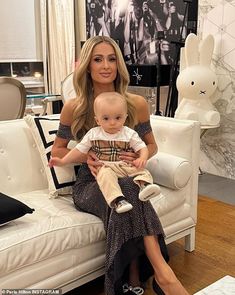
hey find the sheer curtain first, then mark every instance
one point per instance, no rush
(58, 42)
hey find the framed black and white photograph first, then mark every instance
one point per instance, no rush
(143, 29)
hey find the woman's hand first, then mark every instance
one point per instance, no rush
(128, 157)
(93, 163)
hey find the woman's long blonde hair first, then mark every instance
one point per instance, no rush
(83, 116)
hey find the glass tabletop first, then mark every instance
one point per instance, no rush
(42, 96)
(37, 103)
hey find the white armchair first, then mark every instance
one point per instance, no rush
(175, 168)
(67, 89)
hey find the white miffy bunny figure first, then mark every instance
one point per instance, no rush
(197, 82)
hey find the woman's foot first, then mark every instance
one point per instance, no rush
(156, 288)
(129, 290)
(171, 286)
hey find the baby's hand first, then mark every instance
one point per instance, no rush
(93, 163)
(139, 163)
(55, 161)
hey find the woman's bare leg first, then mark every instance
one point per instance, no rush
(134, 274)
(162, 272)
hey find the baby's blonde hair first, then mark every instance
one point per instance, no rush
(110, 98)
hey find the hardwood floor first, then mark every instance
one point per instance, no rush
(213, 258)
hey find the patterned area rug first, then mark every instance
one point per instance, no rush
(224, 286)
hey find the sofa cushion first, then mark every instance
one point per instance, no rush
(54, 228)
(11, 209)
(60, 179)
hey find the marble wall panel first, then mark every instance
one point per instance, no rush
(218, 145)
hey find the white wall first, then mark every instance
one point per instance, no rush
(20, 30)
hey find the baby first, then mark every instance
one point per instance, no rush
(107, 141)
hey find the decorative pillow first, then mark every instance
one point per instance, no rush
(11, 209)
(169, 170)
(60, 179)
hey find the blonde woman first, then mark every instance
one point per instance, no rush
(134, 240)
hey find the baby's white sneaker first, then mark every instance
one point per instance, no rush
(122, 206)
(149, 191)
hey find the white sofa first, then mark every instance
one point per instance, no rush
(60, 247)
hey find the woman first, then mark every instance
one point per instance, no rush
(134, 239)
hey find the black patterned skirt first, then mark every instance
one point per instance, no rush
(124, 232)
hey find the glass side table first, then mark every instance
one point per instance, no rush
(37, 104)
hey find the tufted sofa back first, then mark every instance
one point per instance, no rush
(21, 169)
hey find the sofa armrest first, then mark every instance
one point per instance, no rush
(170, 171)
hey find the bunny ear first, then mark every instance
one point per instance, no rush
(191, 50)
(206, 50)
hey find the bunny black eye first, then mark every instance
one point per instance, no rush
(213, 82)
(192, 83)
